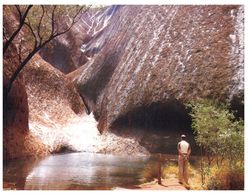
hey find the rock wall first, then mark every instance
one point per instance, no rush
(159, 54)
(65, 52)
(17, 140)
(40, 98)
(53, 103)
(132, 65)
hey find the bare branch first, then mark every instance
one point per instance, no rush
(8, 42)
(32, 32)
(77, 13)
(56, 34)
(74, 21)
(81, 13)
(18, 70)
(46, 12)
(20, 52)
(39, 25)
(19, 12)
(36, 34)
(52, 22)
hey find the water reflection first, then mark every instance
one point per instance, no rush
(16, 171)
(75, 171)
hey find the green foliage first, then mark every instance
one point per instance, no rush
(221, 136)
(217, 130)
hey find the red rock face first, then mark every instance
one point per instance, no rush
(17, 139)
(49, 92)
(41, 95)
(39, 105)
(65, 52)
(53, 103)
(159, 54)
(141, 63)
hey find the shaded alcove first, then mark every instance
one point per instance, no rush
(157, 117)
(237, 106)
(159, 126)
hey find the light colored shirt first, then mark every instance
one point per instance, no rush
(183, 146)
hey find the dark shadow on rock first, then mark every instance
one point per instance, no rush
(94, 86)
(158, 117)
(159, 126)
(237, 106)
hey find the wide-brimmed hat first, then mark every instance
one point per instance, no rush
(183, 136)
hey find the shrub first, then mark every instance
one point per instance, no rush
(221, 136)
(226, 179)
(217, 130)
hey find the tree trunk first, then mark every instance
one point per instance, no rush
(202, 169)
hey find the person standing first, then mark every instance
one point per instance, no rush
(184, 151)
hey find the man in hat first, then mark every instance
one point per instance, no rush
(184, 151)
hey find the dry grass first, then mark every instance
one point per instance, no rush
(226, 178)
(150, 172)
(217, 178)
(170, 170)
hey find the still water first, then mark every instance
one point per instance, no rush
(75, 171)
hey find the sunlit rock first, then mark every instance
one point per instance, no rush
(18, 141)
(134, 67)
(163, 53)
